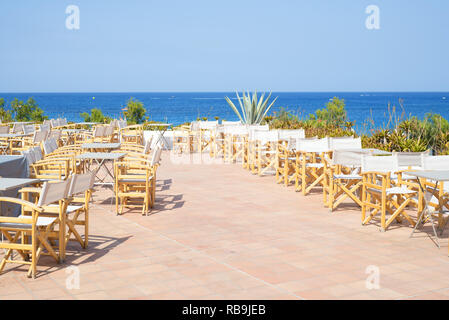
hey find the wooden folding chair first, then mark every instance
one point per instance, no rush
(79, 195)
(250, 145)
(37, 221)
(182, 142)
(379, 195)
(17, 231)
(135, 179)
(52, 198)
(264, 151)
(343, 179)
(235, 144)
(204, 134)
(216, 143)
(51, 169)
(310, 164)
(132, 133)
(285, 168)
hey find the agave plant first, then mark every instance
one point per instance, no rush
(253, 109)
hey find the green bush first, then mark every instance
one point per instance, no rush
(135, 112)
(26, 111)
(334, 114)
(5, 115)
(95, 116)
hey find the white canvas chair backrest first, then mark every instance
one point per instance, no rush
(291, 134)
(64, 122)
(37, 153)
(342, 143)
(265, 136)
(108, 131)
(294, 143)
(384, 164)
(434, 162)
(180, 133)
(231, 123)
(147, 146)
(252, 129)
(235, 130)
(194, 126)
(346, 158)
(81, 183)
(114, 123)
(47, 123)
(4, 129)
(54, 191)
(50, 145)
(208, 125)
(122, 124)
(53, 123)
(99, 131)
(259, 127)
(17, 128)
(55, 134)
(45, 127)
(47, 147)
(29, 129)
(156, 156)
(39, 136)
(53, 143)
(313, 145)
(411, 159)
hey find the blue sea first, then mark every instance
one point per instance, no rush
(177, 108)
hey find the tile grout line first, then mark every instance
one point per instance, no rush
(218, 261)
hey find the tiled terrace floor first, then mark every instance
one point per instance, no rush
(219, 232)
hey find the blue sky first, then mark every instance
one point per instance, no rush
(219, 45)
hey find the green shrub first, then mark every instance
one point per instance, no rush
(135, 112)
(95, 116)
(27, 111)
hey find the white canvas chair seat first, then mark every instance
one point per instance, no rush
(343, 143)
(347, 176)
(41, 222)
(70, 208)
(395, 191)
(135, 180)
